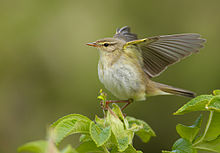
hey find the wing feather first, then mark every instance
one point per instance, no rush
(167, 50)
(161, 51)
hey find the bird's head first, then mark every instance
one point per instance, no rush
(108, 44)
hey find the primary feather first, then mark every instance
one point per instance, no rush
(168, 50)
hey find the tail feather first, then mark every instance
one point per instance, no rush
(175, 91)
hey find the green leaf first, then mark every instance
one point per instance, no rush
(69, 149)
(164, 151)
(85, 138)
(73, 116)
(99, 136)
(183, 146)
(123, 136)
(87, 147)
(131, 149)
(123, 142)
(114, 149)
(116, 109)
(141, 128)
(35, 147)
(68, 126)
(100, 121)
(214, 104)
(214, 127)
(112, 142)
(102, 96)
(195, 104)
(213, 145)
(216, 92)
(189, 132)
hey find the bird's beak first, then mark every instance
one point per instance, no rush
(92, 44)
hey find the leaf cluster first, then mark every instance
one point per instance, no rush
(111, 134)
(209, 139)
(114, 133)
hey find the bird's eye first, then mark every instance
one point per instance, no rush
(106, 44)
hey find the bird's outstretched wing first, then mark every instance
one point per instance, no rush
(125, 34)
(161, 51)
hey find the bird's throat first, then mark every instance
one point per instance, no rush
(109, 58)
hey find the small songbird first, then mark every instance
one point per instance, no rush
(127, 63)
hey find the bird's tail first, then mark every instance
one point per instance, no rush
(175, 91)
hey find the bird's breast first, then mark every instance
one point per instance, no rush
(123, 79)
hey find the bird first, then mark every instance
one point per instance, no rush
(127, 64)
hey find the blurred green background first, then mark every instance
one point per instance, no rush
(47, 71)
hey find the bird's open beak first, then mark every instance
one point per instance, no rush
(92, 44)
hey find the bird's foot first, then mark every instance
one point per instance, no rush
(105, 105)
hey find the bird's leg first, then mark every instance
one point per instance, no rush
(129, 101)
(107, 102)
(105, 107)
